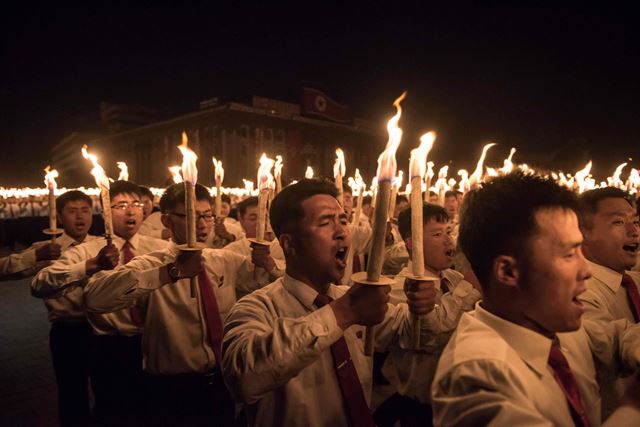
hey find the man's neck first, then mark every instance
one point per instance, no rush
(503, 310)
(321, 288)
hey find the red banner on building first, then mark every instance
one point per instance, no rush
(316, 103)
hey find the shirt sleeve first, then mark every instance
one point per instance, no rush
(483, 392)
(18, 265)
(63, 275)
(149, 229)
(263, 350)
(113, 290)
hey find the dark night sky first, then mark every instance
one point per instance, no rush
(560, 84)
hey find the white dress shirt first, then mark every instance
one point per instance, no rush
(68, 275)
(247, 281)
(277, 354)
(606, 300)
(68, 307)
(409, 371)
(175, 339)
(494, 372)
(24, 264)
(152, 226)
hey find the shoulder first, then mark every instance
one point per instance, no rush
(453, 276)
(263, 302)
(152, 243)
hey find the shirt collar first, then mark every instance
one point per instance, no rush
(532, 347)
(303, 292)
(606, 275)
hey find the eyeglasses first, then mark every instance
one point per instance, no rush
(126, 205)
(208, 216)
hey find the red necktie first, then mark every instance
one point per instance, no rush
(211, 315)
(444, 285)
(633, 295)
(134, 312)
(352, 394)
(564, 377)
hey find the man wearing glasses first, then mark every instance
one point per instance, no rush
(116, 358)
(182, 340)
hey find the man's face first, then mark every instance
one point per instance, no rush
(176, 222)
(127, 218)
(321, 239)
(76, 219)
(553, 274)
(614, 237)
(225, 208)
(433, 198)
(437, 246)
(249, 221)
(451, 205)
(147, 206)
(348, 203)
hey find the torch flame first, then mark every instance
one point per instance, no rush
(418, 159)
(359, 182)
(581, 176)
(508, 164)
(616, 181)
(124, 171)
(277, 168)
(463, 186)
(397, 181)
(476, 177)
(102, 180)
(338, 167)
(265, 179)
(189, 169)
(248, 186)
(50, 177)
(218, 170)
(175, 174)
(308, 173)
(387, 164)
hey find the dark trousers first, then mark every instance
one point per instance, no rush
(117, 379)
(69, 343)
(409, 412)
(189, 400)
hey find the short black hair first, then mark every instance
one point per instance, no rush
(175, 193)
(589, 203)
(346, 188)
(451, 193)
(124, 187)
(72, 196)
(499, 218)
(286, 209)
(401, 198)
(225, 199)
(366, 200)
(429, 212)
(144, 191)
(243, 205)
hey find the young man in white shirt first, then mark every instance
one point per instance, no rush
(611, 232)
(151, 224)
(116, 357)
(521, 357)
(70, 331)
(271, 257)
(281, 341)
(225, 229)
(182, 338)
(411, 372)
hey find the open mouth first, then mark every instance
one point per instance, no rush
(631, 248)
(79, 224)
(341, 256)
(450, 253)
(131, 222)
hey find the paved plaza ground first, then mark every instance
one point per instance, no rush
(27, 382)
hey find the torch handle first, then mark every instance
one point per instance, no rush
(369, 335)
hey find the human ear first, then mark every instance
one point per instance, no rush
(286, 242)
(506, 270)
(166, 221)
